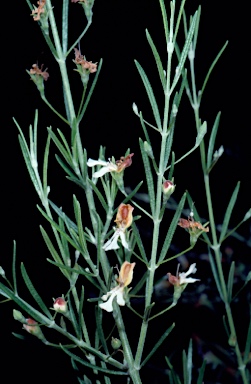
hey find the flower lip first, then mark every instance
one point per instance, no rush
(109, 166)
(123, 220)
(182, 276)
(124, 279)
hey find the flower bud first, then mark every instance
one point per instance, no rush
(148, 149)
(32, 327)
(168, 188)
(18, 316)
(115, 343)
(60, 305)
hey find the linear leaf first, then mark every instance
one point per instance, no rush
(210, 70)
(229, 212)
(83, 362)
(201, 372)
(99, 195)
(230, 281)
(215, 274)
(149, 177)
(139, 242)
(14, 275)
(150, 95)
(158, 344)
(248, 345)
(172, 229)
(157, 59)
(34, 292)
(212, 140)
(184, 52)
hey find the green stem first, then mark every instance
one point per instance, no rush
(215, 246)
(132, 367)
(156, 222)
(61, 59)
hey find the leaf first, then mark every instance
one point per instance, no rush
(212, 140)
(149, 176)
(201, 133)
(158, 344)
(229, 212)
(150, 95)
(230, 281)
(139, 242)
(201, 372)
(157, 59)
(210, 71)
(34, 293)
(184, 52)
(172, 229)
(215, 274)
(83, 362)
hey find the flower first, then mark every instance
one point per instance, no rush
(124, 279)
(60, 305)
(108, 166)
(37, 11)
(182, 278)
(32, 327)
(123, 220)
(80, 60)
(168, 188)
(195, 228)
(180, 282)
(35, 70)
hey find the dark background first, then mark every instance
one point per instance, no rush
(118, 36)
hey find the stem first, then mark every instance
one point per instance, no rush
(215, 245)
(132, 367)
(160, 174)
(61, 59)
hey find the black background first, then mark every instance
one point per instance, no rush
(118, 36)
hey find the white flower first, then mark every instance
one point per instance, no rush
(182, 277)
(112, 243)
(115, 292)
(108, 166)
(125, 278)
(124, 220)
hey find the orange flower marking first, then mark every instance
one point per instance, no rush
(124, 279)
(38, 10)
(124, 216)
(123, 220)
(192, 225)
(124, 162)
(80, 60)
(35, 70)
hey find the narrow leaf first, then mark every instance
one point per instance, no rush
(184, 52)
(215, 274)
(229, 212)
(157, 59)
(212, 140)
(149, 177)
(85, 363)
(34, 292)
(230, 281)
(172, 229)
(158, 344)
(150, 95)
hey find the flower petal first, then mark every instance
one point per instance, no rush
(93, 163)
(112, 243)
(107, 306)
(102, 171)
(123, 240)
(120, 296)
